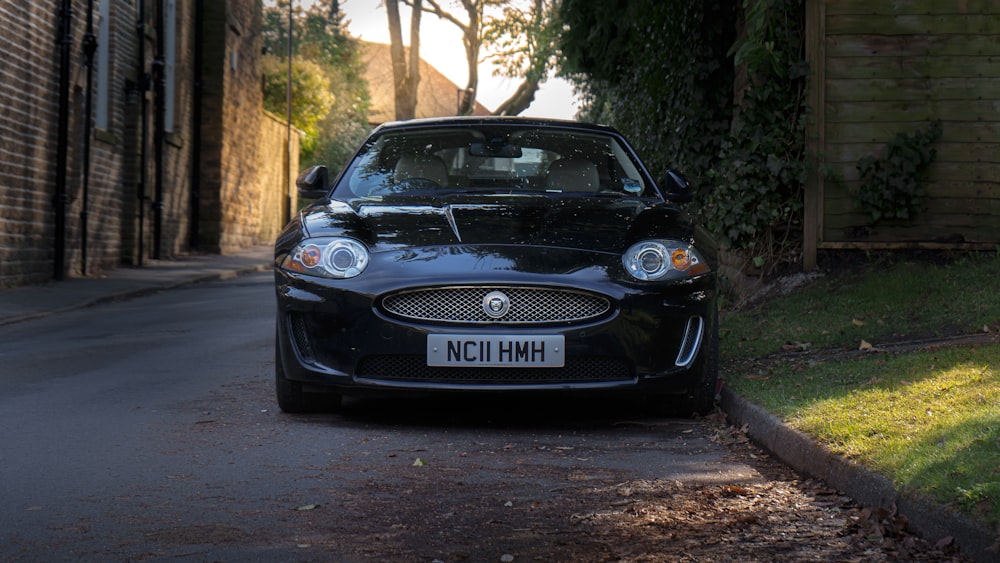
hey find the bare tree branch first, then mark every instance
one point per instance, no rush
(406, 75)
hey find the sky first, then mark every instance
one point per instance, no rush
(441, 46)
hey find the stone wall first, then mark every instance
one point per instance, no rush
(244, 191)
(277, 190)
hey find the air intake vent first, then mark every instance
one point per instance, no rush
(691, 342)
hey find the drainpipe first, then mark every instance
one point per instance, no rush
(159, 82)
(60, 200)
(89, 47)
(199, 55)
(144, 80)
(288, 118)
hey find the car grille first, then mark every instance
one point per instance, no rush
(528, 305)
(415, 369)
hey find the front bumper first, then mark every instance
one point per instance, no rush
(336, 336)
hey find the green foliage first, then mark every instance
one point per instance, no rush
(523, 42)
(311, 97)
(657, 71)
(891, 184)
(330, 56)
(756, 201)
(726, 111)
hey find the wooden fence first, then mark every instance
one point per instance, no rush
(881, 67)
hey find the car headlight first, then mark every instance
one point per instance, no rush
(328, 258)
(652, 260)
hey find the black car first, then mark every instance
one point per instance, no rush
(494, 255)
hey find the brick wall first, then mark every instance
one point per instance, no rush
(27, 141)
(241, 164)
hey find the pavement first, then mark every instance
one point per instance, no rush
(931, 521)
(35, 301)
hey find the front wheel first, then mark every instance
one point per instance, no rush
(292, 399)
(700, 398)
(703, 394)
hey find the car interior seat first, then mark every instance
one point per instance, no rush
(425, 166)
(573, 175)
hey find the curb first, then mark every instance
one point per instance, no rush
(931, 520)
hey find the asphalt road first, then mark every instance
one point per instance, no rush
(146, 430)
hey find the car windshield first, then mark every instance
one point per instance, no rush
(493, 159)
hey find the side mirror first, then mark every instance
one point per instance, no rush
(675, 187)
(313, 182)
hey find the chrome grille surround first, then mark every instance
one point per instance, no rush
(464, 304)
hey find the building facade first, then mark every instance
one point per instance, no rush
(133, 130)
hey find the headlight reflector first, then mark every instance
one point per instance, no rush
(328, 257)
(652, 260)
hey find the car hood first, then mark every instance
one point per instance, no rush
(596, 224)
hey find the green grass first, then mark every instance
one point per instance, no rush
(880, 301)
(928, 419)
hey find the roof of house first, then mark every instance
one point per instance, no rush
(436, 95)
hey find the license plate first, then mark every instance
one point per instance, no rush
(495, 350)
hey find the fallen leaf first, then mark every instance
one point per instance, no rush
(857, 323)
(944, 542)
(419, 462)
(865, 346)
(735, 490)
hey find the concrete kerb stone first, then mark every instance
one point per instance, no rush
(931, 520)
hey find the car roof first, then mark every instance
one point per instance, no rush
(456, 121)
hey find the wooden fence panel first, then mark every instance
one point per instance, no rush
(881, 67)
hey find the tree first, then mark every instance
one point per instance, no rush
(311, 99)
(406, 73)
(523, 41)
(472, 39)
(321, 44)
(525, 46)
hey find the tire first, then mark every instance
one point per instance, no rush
(703, 394)
(698, 400)
(293, 400)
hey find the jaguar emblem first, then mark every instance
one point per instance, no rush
(496, 304)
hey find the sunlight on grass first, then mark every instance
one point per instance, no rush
(930, 421)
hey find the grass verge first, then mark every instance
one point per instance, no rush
(826, 359)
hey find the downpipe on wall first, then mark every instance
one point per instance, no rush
(144, 80)
(199, 55)
(61, 200)
(89, 48)
(159, 122)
